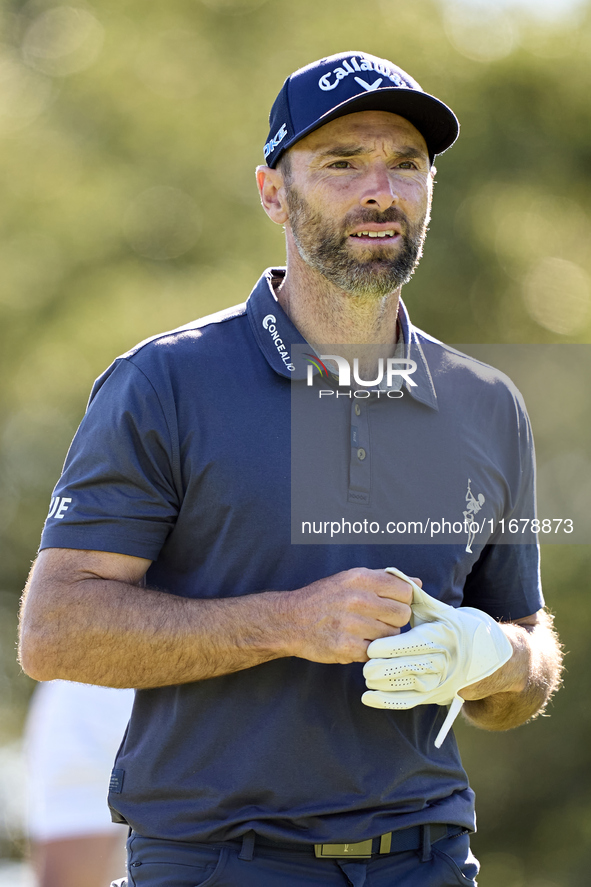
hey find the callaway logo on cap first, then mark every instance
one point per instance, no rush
(348, 82)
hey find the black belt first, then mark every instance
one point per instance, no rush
(415, 838)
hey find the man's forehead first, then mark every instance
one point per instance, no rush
(364, 128)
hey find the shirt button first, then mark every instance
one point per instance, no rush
(361, 454)
(357, 409)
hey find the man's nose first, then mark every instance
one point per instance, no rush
(380, 191)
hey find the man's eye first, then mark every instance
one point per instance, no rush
(407, 164)
(340, 164)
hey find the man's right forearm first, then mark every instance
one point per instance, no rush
(86, 617)
(118, 635)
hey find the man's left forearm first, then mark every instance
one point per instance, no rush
(520, 689)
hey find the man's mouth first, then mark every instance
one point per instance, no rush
(375, 234)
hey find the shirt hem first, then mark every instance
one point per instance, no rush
(128, 547)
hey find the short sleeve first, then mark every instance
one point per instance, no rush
(505, 580)
(119, 490)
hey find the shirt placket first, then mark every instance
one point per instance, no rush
(360, 458)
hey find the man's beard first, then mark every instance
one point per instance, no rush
(324, 247)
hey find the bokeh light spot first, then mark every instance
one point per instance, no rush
(557, 296)
(479, 31)
(24, 94)
(63, 40)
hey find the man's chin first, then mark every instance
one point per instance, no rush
(380, 251)
(371, 283)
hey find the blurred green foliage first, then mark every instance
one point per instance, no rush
(129, 133)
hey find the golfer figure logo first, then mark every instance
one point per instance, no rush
(473, 506)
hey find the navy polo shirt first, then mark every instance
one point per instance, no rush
(183, 457)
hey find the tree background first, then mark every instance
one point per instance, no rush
(129, 133)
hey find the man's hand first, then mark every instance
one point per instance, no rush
(447, 649)
(520, 689)
(86, 616)
(507, 673)
(335, 619)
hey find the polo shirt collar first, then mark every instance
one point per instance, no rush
(272, 328)
(424, 391)
(276, 335)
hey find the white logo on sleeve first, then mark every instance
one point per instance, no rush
(473, 506)
(58, 507)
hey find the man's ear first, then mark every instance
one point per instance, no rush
(272, 190)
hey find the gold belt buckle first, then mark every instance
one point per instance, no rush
(360, 850)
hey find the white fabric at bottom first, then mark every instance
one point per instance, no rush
(72, 735)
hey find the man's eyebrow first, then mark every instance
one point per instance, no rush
(343, 151)
(407, 151)
(411, 153)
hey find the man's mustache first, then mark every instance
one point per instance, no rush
(369, 216)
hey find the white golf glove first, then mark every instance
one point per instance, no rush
(448, 648)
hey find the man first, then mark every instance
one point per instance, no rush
(167, 563)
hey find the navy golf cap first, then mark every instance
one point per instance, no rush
(348, 82)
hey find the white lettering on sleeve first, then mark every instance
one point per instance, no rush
(64, 505)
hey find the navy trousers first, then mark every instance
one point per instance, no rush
(155, 863)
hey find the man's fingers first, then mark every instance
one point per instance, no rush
(339, 616)
(396, 701)
(394, 615)
(399, 576)
(393, 669)
(375, 595)
(425, 607)
(395, 588)
(381, 583)
(419, 683)
(410, 673)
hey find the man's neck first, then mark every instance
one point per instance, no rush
(326, 315)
